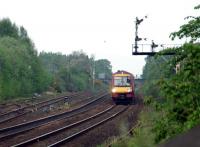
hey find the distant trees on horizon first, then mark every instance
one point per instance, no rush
(23, 71)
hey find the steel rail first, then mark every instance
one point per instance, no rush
(18, 112)
(52, 116)
(16, 129)
(36, 107)
(67, 139)
(43, 136)
(29, 111)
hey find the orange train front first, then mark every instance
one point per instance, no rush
(122, 86)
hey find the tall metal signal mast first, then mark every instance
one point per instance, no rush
(152, 46)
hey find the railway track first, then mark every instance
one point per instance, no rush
(23, 127)
(61, 107)
(75, 129)
(5, 107)
(85, 130)
(35, 107)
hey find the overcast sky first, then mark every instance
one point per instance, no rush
(104, 28)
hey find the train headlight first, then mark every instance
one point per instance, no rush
(113, 90)
(129, 90)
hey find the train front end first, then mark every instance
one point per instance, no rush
(122, 87)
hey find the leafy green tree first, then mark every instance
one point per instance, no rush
(7, 28)
(190, 30)
(21, 72)
(53, 62)
(103, 66)
(154, 70)
(181, 110)
(74, 71)
(181, 92)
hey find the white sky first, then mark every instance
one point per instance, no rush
(104, 28)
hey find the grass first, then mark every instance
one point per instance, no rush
(143, 135)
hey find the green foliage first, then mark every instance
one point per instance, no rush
(70, 73)
(182, 94)
(191, 29)
(143, 136)
(8, 29)
(21, 72)
(154, 70)
(103, 66)
(53, 62)
(73, 72)
(180, 108)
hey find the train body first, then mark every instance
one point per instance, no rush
(122, 87)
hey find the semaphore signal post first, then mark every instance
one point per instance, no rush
(152, 46)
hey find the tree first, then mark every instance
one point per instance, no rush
(73, 72)
(191, 29)
(21, 73)
(154, 70)
(103, 66)
(181, 110)
(7, 28)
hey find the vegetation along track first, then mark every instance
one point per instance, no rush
(4, 118)
(107, 132)
(16, 129)
(68, 132)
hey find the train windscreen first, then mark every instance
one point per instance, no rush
(122, 81)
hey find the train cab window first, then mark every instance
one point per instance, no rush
(122, 81)
(128, 80)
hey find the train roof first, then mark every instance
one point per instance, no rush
(122, 72)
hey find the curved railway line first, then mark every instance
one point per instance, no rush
(53, 106)
(65, 133)
(65, 128)
(85, 130)
(5, 117)
(23, 127)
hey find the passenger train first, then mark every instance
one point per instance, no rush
(122, 87)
